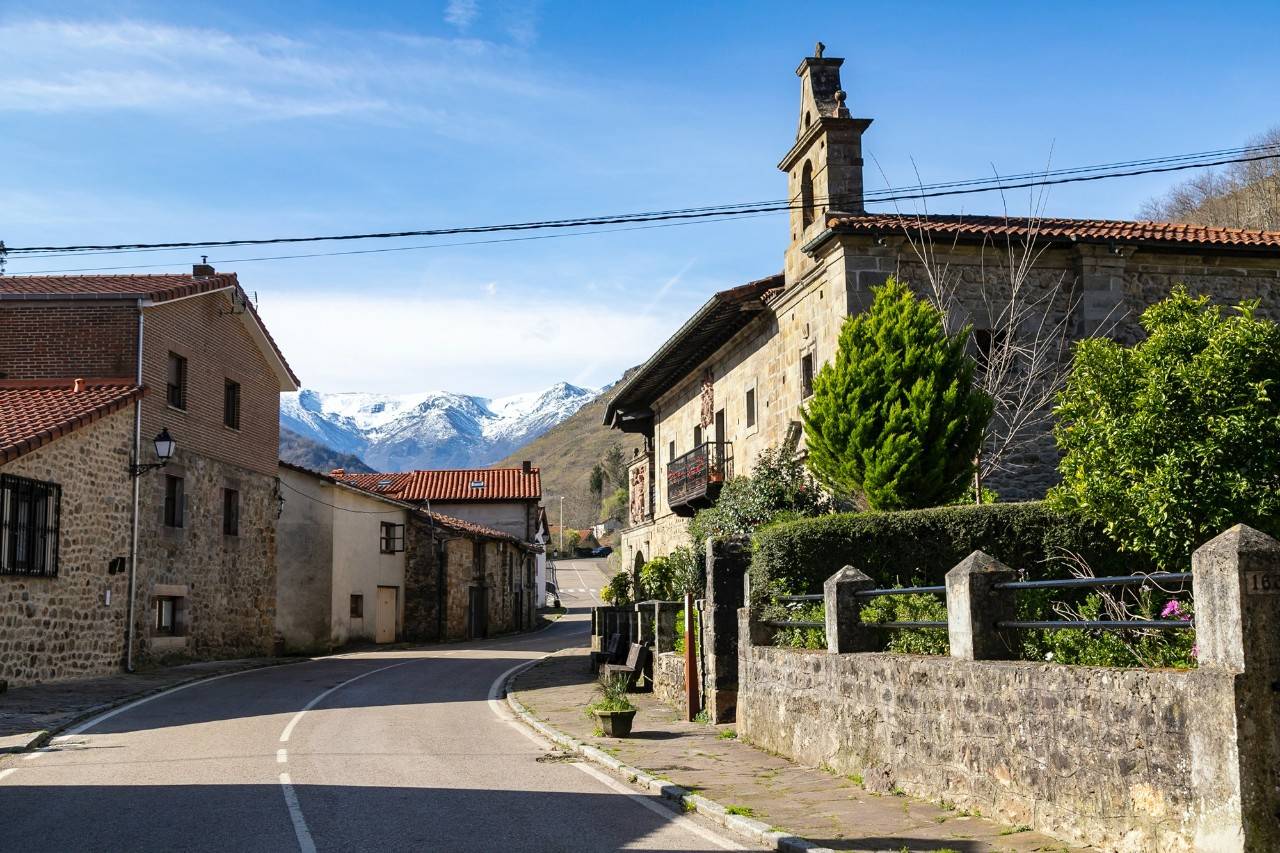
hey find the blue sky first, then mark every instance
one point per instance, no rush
(143, 122)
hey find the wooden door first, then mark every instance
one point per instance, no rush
(384, 618)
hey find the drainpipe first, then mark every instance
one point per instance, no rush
(137, 487)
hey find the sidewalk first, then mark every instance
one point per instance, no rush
(828, 810)
(29, 716)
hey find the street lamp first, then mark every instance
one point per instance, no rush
(165, 445)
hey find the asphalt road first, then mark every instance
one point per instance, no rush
(394, 750)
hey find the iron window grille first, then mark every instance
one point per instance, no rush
(391, 538)
(230, 512)
(177, 383)
(30, 515)
(231, 404)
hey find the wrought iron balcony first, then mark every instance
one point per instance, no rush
(694, 479)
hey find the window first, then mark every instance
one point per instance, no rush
(751, 407)
(671, 452)
(806, 195)
(177, 381)
(231, 404)
(168, 616)
(806, 375)
(30, 511)
(357, 607)
(230, 512)
(987, 341)
(391, 539)
(697, 436)
(175, 500)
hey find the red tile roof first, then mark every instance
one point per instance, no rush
(156, 288)
(1084, 230)
(470, 528)
(32, 414)
(496, 484)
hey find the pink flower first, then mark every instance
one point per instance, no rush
(1195, 650)
(1171, 609)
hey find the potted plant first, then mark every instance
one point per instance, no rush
(613, 709)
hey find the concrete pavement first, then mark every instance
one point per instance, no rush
(382, 750)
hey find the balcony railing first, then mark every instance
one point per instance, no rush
(694, 479)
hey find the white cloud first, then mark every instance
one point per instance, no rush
(488, 347)
(63, 66)
(460, 13)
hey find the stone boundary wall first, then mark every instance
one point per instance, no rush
(668, 680)
(1096, 755)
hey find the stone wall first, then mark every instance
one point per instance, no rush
(64, 627)
(1097, 755)
(668, 680)
(226, 585)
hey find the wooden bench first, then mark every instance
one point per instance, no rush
(612, 653)
(633, 669)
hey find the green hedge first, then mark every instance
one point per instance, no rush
(899, 548)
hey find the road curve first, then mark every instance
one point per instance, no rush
(379, 750)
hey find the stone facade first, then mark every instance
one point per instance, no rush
(66, 627)
(1092, 287)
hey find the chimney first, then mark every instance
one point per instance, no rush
(526, 466)
(338, 473)
(78, 386)
(202, 269)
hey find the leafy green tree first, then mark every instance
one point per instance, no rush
(1169, 442)
(895, 419)
(614, 507)
(777, 484)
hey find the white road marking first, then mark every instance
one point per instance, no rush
(503, 712)
(305, 843)
(9, 772)
(288, 730)
(282, 755)
(31, 756)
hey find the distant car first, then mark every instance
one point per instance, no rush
(602, 551)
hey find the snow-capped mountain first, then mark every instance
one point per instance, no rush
(436, 429)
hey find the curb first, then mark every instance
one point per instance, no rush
(750, 828)
(38, 739)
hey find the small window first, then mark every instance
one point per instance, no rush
(987, 341)
(391, 538)
(751, 407)
(177, 381)
(357, 607)
(175, 500)
(231, 404)
(30, 512)
(671, 452)
(806, 195)
(230, 512)
(168, 616)
(806, 375)
(697, 436)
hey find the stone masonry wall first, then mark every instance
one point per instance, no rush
(1095, 755)
(227, 583)
(62, 627)
(668, 680)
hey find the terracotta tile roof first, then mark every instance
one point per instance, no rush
(496, 484)
(1083, 230)
(156, 288)
(33, 414)
(470, 528)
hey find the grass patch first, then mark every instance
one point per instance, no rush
(727, 734)
(1014, 830)
(741, 811)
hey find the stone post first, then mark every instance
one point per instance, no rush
(974, 608)
(646, 613)
(664, 626)
(1236, 752)
(845, 629)
(726, 567)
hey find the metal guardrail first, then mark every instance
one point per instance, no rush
(863, 593)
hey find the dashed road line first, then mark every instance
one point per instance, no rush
(305, 843)
(282, 756)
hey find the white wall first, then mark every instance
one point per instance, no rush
(359, 567)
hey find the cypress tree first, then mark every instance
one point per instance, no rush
(895, 418)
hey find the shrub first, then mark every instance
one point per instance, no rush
(613, 697)
(1170, 441)
(911, 608)
(617, 591)
(895, 419)
(795, 557)
(799, 638)
(677, 645)
(669, 578)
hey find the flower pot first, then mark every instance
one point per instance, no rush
(616, 723)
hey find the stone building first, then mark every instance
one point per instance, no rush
(203, 526)
(340, 564)
(65, 505)
(732, 381)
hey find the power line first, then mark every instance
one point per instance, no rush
(1029, 179)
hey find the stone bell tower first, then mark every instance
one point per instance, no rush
(824, 166)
